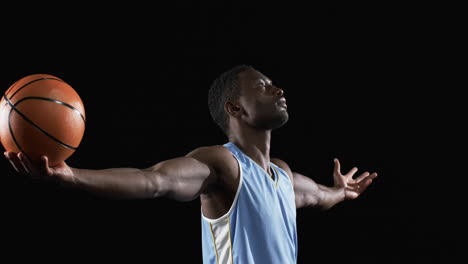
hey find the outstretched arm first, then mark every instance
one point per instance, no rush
(183, 178)
(308, 193)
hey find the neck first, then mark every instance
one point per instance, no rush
(255, 144)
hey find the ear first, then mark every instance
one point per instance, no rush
(232, 109)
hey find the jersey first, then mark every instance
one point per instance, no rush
(260, 226)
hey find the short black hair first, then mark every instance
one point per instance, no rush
(224, 88)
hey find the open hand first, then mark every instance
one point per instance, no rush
(23, 165)
(353, 186)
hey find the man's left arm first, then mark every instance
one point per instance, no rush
(308, 193)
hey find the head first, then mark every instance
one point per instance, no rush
(248, 96)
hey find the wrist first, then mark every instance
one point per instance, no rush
(72, 179)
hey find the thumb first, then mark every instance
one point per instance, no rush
(350, 194)
(45, 169)
(337, 165)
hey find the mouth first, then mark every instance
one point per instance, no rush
(282, 102)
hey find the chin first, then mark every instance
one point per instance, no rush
(275, 122)
(282, 121)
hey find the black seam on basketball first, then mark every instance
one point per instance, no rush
(11, 88)
(13, 107)
(33, 81)
(14, 138)
(11, 129)
(53, 101)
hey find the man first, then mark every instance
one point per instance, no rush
(248, 199)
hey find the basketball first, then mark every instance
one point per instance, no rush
(41, 114)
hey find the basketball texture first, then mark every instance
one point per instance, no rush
(41, 114)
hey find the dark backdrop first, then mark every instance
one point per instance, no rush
(350, 74)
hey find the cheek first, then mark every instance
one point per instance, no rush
(256, 108)
(261, 111)
(249, 106)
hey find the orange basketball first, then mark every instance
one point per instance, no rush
(41, 114)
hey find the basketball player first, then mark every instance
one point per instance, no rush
(247, 197)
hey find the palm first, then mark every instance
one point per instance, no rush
(40, 170)
(62, 169)
(353, 186)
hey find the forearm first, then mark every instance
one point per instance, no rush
(311, 194)
(116, 183)
(181, 179)
(329, 196)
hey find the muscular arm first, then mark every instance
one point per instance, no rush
(183, 178)
(311, 194)
(308, 193)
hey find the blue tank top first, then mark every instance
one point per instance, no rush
(260, 226)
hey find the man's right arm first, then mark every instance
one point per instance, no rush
(183, 178)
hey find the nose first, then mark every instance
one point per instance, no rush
(278, 91)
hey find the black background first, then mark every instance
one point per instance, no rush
(355, 78)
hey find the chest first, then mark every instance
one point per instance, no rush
(265, 196)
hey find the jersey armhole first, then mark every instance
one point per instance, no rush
(234, 202)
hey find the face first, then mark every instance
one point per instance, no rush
(262, 104)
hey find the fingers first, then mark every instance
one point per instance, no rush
(44, 167)
(337, 166)
(362, 176)
(38, 169)
(360, 184)
(370, 178)
(23, 165)
(351, 172)
(15, 162)
(28, 167)
(7, 156)
(366, 181)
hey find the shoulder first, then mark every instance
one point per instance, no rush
(283, 165)
(210, 152)
(216, 156)
(222, 163)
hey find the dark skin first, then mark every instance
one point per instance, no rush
(210, 173)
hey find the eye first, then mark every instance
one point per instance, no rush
(261, 84)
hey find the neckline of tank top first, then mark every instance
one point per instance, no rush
(271, 168)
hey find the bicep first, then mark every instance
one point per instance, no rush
(182, 178)
(307, 191)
